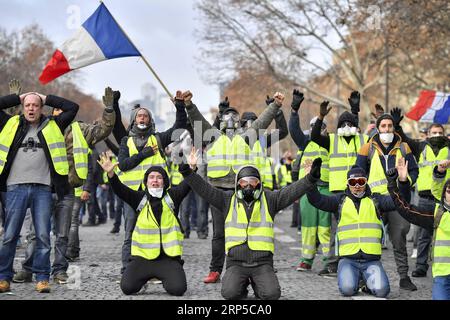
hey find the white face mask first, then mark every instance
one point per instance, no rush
(347, 131)
(142, 126)
(359, 195)
(386, 137)
(156, 192)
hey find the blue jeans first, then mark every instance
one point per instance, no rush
(350, 272)
(441, 288)
(18, 197)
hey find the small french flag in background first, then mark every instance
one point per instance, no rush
(432, 106)
(100, 38)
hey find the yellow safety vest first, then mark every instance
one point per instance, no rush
(377, 177)
(148, 236)
(268, 174)
(80, 151)
(311, 152)
(78, 191)
(6, 139)
(441, 245)
(359, 229)
(258, 233)
(427, 162)
(286, 177)
(342, 158)
(226, 154)
(116, 170)
(175, 176)
(133, 178)
(258, 153)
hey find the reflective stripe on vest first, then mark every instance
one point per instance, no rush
(80, 151)
(359, 230)
(313, 151)
(258, 233)
(377, 177)
(428, 160)
(148, 236)
(6, 139)
(342, 158)
(56, 146)
(258, 158)
(226, 154)
(441, 246)
(78, 191)
(133, 178)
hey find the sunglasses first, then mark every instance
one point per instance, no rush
(248, 181)
(357, 181)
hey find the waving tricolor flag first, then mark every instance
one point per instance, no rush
(432, 106)
(100, 38)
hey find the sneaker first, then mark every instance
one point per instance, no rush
(43, 287)
(23, 276)
(303, 267)
(213, 277)
(414, 254)
(73, 258)
(115, 230)
(61, 278)
(419, 273)
(406, 284)
(202, 236)
(89, 224)
(4, 286)
(324, 272)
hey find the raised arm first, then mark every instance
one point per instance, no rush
(269, 113)
(180, 121)
(282, 128)
(119, 130)
(323, 141)
(68, 107)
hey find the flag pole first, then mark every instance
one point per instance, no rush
(143, 58)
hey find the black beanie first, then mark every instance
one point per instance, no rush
(246, 116)
(346, 117)
(230, 109)
(356, 172)
(248, 171)
(382, 117)
(158, 169)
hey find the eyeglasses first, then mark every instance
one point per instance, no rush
(249, 181)
(357, 181)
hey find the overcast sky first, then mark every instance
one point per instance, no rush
(163, 31)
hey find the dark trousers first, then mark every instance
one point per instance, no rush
(187, 208)
(202, 215)
(218, 241)
(262, 278)
(295, 214)
(139, 270)
(93, 207)
(73, 248)
(398, 228)
(118, 209)
(425, 237)
(130, 219)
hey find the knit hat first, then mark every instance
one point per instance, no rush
(356, 172)
(230, 109)
(382, 117)
(159, 170)
(246, 116)
(346, 117)
(248, 171)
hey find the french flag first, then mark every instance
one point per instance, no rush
(99, 38)
(432, 106)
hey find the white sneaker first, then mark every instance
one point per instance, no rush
(414, 254)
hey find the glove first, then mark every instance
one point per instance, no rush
(108, 98)
(269, 100)
(147, 152)
(315, 168)
(179, 104)
(15, 87)
(116, 96)
(184, 168)
(354, 102)
(396, 113)
(391, 176)
(297, 99)
(324, 110)
(224, 105)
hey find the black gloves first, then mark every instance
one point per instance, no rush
(224, 105)
(179, 104)
(116, 96)
(147, 152)
(269, 100)
(391, 176)
(297, 99)
(324, 110)
(314, 174)
(354, 102)
(396, 113)
(184, 168)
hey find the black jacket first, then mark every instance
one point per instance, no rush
(70, 109)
